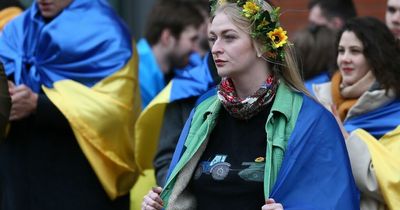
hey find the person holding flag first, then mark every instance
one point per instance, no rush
(258, 141)
(72, 75)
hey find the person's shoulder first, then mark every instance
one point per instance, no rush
(314, 108)
(206, 100)
(143, 48)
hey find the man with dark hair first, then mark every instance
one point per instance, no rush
(332, 13)
(393, 17)
(170, 38)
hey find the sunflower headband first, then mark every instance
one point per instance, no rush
(265, 26)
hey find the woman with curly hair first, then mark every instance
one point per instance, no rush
(364, 95)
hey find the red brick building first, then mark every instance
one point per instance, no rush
(295, 12)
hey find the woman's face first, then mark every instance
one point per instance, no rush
(352, 63)
(231, 47)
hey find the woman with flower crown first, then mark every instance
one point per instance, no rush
(258, 141)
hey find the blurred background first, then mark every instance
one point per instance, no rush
(294, 12)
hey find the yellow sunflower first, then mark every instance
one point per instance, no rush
(250, 9)
(278, 37)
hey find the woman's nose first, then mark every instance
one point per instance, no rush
(346, 57)
(216, 48)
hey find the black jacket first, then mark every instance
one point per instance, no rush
(5, 102)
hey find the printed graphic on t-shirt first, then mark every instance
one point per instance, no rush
(219, 169)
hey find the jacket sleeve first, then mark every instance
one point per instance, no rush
(362, 168)
(175, 117)
(5, 102)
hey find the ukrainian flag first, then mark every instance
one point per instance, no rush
(83, 61)
(386, 161)
(377, 122)
(8, 14)
(187, 83)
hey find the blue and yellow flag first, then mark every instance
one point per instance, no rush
(377, 122)
(315, 173)
(186, 83)
(7, 14)
(83, 61)
(386, 162)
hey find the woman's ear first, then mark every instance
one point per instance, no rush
(258, 50)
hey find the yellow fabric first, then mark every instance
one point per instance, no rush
(386, 162)
(141, 188)
(147, 134)
(148, 127)
(103, 118)
(8, 14)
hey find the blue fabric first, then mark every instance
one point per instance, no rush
(319, 79)
(151, 77)
(192, 82)
(377, 122)
(79, 44)
(315, 173)
(194, 61)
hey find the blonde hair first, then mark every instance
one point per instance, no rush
(288, 70)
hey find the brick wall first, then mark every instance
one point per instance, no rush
(295, 12)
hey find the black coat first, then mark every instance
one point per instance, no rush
(5, 102)
(42, 167)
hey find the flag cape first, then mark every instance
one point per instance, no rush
(83, 61)
(80, 44)
(377, 122)
(187, 83)
(8, 14)
(386, 162)
(315, 173)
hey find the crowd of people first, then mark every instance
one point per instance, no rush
(214, 108)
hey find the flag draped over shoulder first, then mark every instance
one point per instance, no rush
(386, 162)
(377, 122)
(315, 172)
(86, 42)
(8, 14)
(186, 83)
(83, 61)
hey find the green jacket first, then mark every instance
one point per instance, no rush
(279, 126)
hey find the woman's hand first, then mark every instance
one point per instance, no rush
(152, 201)
(23, 101)
(270, 204)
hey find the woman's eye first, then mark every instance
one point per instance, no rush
(355, 51)
(391, 10)
(230, 38)
(211, 39)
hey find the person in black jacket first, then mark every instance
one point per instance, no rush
(5, 103)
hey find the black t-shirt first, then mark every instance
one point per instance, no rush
(230, 173)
